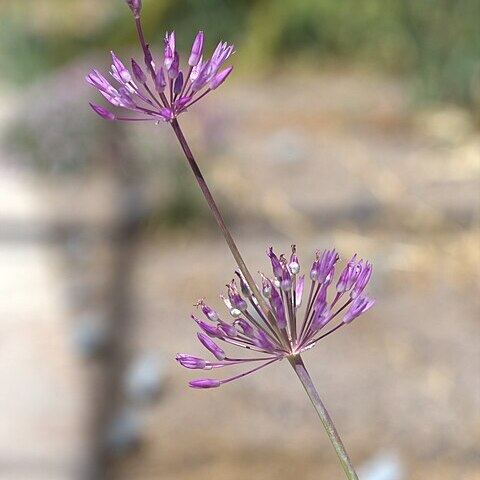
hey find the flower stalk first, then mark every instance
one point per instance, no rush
(299, 368)
(216, 212)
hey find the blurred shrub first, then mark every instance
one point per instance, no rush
(436, 40)
(439, 41)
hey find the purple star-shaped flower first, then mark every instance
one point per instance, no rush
(282, 331)
(164, 92)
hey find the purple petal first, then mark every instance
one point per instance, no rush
(169, 50)
(359, 306)
(235, 298)
(205, 383)
(247, 329)
(278, 308)
(190, 361)
(326, 266)
(210, 313)
(203, 77)
(299, 290)
(349, 275)
(96, 79)
(208, 329)
(119, 68)
(160, 82)
(220, 78)
(362, 281)
(103, 112)
(211, 346)
(286, 282)
(178, 85)
(197, 49)
(294, 264)
(263, 341)
(228, 329)
(174, 67)
(276, 265)
(181, 103)
(138, 72)
(196, 70)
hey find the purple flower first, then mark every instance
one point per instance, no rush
(169, 91)
(360, 305)
(282, 331)
(197, 50)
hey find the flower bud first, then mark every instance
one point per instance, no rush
(286, 282)
(209, 312)
(247, 329)
(205, 383)
(299, 291)
(197, 50)
(262, 341)
(236, 300)
(160, 82)
(175, 66)
(294, 264)
(211, 346)
(135, 7)
(326, 265)
(278, 308)
(119, 68)
(138, 72)
(228, 329)
(349, 275)
(210, 330)
(362, 281)
(103, 112)
(359, 305)
(220, 78)
(189, 361)
(169, 52)
(243, 284)
(178, 85)
(276, 265)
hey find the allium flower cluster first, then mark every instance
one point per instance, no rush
(160, 93)
(281, 331)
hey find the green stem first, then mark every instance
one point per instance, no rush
(299, 367)
(218, 216)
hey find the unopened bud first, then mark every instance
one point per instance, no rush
(135, 7)
(205, 383)
(220, 78)
(197, 50)
(138, 72)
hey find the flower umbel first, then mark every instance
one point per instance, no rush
(164, 92)
(282, 332)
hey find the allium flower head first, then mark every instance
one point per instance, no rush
(282, 331)
(164, 92)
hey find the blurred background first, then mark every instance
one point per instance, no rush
(347, 124)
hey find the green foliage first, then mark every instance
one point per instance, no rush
(438, 41)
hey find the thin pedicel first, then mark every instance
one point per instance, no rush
(266, 323)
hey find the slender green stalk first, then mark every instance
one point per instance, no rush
(299, 367)
(216, 213)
